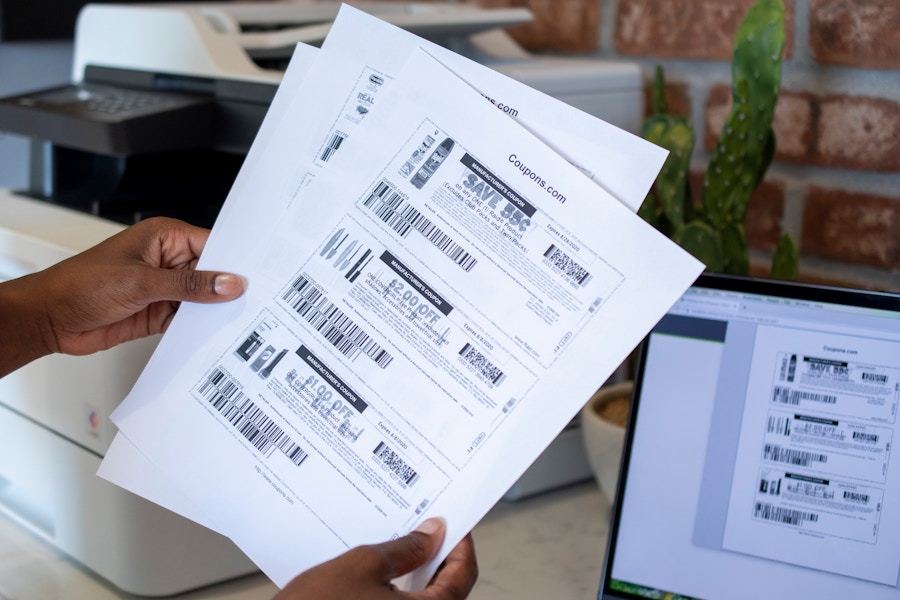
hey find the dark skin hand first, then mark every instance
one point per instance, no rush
(126, 287)
(365, 573)
(129, 286)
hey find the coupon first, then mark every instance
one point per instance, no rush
(852, 450)
(818, 505)
(305, 412)
(863, 391)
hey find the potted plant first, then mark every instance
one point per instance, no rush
(603, 421)
(713, 230)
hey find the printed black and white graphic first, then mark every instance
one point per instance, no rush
(310, 302)
(345, 253)
(770, 512)
(263, 358)
(818, 505)
(835, 386)
(416, 157)
(334, 142)
(392, 207)
(249, 346)
(483, 367)
(435, 160)
(266, 371)
(799, 458)
(573, 272)
(812, 469)
(829, 446)
(226, 396)
(395, 465)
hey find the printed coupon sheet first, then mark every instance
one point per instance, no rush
(324, 111)
(811, 475)
(424, 316)
(320, 122)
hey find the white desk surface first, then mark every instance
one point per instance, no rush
(547, 546)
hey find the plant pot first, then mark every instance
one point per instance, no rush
(603, 421)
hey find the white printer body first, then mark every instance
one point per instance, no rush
(54, 413)
(55, 429)
(238, 41)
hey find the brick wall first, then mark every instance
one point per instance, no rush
(835, 181)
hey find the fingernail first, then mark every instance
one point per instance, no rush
(228, 285)
(430, 526)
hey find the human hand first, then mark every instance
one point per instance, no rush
(365, 572)
(126, 287)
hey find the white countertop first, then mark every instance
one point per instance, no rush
(548, 546)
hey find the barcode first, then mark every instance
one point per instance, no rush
(789, 516)
(569, 268)
(874, 377)
(396, 465)
(391, 208)
(249, 420)
(788, 396)
(779, 425)
(871, 438)
(333, 144)
(421, 506)
(313, 306)
(798, 458)
(856, 497)
(482, 365)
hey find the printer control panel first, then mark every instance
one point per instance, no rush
(102, 103)
(111, 120)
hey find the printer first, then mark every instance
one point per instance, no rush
(164, 103)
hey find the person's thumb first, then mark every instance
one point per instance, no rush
(227, 286)
(413, 550)
(188, 285)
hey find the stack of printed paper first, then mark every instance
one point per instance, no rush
(435, 290)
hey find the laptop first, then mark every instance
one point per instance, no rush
(760, 460)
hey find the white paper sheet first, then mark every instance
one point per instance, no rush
(620, 162)
(811, 475)
(407, 412)
(124, 464)
(616, 160)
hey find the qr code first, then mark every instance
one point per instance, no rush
(482, 365)
(570, 269)
(395, 465)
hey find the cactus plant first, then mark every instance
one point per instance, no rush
(714, 230)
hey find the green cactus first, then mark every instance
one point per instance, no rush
(703, 241)
(743, 154)
(784, 263)
(714, 230)
(677, 136)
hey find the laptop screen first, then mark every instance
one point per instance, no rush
(759, 460)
